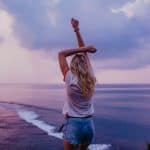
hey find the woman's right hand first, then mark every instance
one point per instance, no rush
(91, 49)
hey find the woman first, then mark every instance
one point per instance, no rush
(78, 130)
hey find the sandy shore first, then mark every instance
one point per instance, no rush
(16, 134)
(25, 127)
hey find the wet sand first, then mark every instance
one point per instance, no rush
(16, 134)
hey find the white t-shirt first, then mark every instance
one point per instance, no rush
(76, 104)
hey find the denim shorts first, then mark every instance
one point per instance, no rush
(78, 130)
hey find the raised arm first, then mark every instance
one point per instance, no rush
(75, 26)
(65, 53)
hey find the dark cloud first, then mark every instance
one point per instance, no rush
(1, 39)
(32, 24)
(117, 35)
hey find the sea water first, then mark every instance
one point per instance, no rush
(121, 111)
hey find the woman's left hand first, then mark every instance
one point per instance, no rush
(91, 49)
(75, 23)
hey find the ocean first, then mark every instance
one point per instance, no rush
(122, 112)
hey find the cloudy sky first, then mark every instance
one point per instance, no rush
(33, 31)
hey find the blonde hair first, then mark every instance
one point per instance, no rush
(81, 68)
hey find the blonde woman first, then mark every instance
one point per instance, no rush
(78, 130)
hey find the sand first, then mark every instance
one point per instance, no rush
(16, 134)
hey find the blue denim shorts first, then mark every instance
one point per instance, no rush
(78, 130)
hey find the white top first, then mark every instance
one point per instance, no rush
(76, 104)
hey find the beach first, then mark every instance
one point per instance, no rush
(16, 134)
(22, 128)
(30, 116)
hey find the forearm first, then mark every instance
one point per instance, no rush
(79, 39)
(81, 43)
(69, 52)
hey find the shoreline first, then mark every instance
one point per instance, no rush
(16, 134)
(29, 127)
(23, 130)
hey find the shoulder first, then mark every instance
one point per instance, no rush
(69, 78)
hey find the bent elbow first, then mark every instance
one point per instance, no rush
(61, 54)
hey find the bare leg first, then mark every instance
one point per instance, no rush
(68, 146)
(83, 147)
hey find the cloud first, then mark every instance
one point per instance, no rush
(138, 58)
(18, 64)
(124, 76)
(45, 25)
(31, 36)
(6, 23)
(34, 21)
(33, 29)
(1, 39)
(135, 8)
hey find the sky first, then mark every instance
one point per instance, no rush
(33, 32)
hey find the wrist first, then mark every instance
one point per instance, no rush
(84, 49)
(76, 29)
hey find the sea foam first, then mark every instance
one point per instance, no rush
(33, 118)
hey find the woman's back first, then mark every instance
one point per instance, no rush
(77, 104)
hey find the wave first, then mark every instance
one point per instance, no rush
(123, 91)
(33, 118)
(13, 105)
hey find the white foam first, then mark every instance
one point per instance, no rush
(32, 117)
(99, 146)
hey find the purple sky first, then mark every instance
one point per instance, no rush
(32, 32)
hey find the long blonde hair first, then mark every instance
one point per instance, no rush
(81, 68)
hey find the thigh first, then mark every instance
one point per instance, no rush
(83, 147)
(68, 146)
